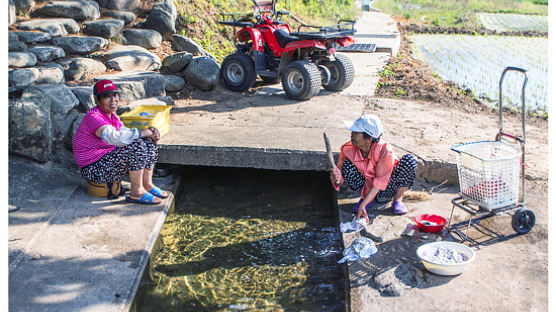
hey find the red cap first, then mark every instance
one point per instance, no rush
(104, 86)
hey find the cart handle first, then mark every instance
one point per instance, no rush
(501, 132)
(500, 104)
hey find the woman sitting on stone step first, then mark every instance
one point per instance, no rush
(369, 164)
(106, 150)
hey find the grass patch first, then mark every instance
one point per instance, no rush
(198, 19)
(457, 13)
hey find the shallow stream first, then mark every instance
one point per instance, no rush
(248, 240)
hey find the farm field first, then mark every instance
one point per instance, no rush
(457, 13)
(513, 22)
(476, 63)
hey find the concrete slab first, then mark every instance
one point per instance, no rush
(491, 275)
(69, 251)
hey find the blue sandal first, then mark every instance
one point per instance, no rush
(146, 199)
(156, 191)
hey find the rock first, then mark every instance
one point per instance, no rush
(52, 73)
(22, 76)
(127, 17)
(12, 17)
(203, 73)
(131, 58)
(162, 18)
(131, 90)
(30, 127)
(395, 281)
(176, 62)
(106, 28)
(32, 37)
(146, 38)
(173, 83)
(62, 104)
(79, 67)
(47, 53)
(55, 27)
(85, 96)
(24, 6)
(14, 45)
(121, 5)
(181, 43)
(80, 45)
(75, 9)
(21, 59)
(69, 139)
(137, 85)
(12, 36)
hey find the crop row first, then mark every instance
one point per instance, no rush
(476, 63)
(513, 22)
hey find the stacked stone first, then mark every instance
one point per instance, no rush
(56, 56)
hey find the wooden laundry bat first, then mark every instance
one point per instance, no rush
(329, 152)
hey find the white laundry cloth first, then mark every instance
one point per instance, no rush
(353, 226)
(361, 248)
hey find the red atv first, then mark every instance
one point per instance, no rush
(303, 60)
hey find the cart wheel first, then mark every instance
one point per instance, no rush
(523, 221)
(342, 73)
(238, 72)
(301, 80)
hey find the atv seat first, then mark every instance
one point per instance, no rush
(284, 38)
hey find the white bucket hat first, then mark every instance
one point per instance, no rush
(369, 124)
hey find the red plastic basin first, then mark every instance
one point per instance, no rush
(423, 219)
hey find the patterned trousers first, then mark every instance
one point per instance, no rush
(403, 175)
(113, 166)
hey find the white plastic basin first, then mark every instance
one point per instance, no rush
(437, 267)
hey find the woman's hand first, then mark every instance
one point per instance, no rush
(336, 175)
(156, 134)
(362, 212)
(151, 133)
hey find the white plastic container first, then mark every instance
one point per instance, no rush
(447, 269)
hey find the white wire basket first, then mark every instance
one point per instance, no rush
(488, 173)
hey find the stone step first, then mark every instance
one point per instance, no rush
(131, 58)
(106, 28)
(74, 9)
(56, 27)
(80, 44)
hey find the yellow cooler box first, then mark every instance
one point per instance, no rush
(144, 116)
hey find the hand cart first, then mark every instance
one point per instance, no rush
(488, 173)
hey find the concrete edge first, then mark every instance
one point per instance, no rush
(429, 170)
(143, 263)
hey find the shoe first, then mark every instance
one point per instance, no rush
(157, 192)
(399, 208)
(146, 199)
(355, 208)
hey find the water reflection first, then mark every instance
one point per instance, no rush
(245, 240)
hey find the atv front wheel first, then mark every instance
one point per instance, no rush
(301, 80)
(238, 72)
(341, 73)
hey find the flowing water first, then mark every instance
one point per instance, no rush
(248, 240)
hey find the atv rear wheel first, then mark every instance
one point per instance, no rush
(342, 73)
(238, 72)
(301, 80)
